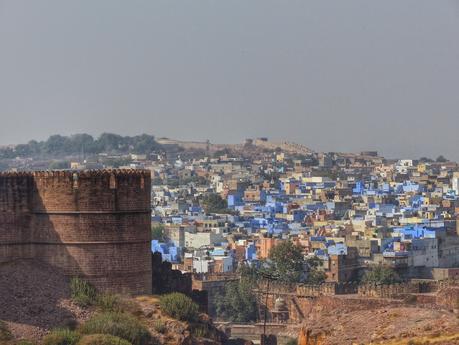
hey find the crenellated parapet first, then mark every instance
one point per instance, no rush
(70, 173)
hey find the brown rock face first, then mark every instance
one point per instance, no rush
(306, 338)
(93, 224)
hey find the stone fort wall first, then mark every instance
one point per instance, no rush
(93, 224)
(301, 298)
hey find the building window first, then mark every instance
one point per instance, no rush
(75, 181)
(112, 181)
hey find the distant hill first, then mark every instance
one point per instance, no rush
(58, 145)
(262, 144)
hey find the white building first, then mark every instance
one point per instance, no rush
(455, 182)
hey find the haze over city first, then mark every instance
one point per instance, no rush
(211, 172)
(334, 76)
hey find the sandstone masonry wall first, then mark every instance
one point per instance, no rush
(93, 224)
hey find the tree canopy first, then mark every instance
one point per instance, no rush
(58, 145)
(381, 275)
(238, 303)
(441, 159)
(214, 203)
(157, 232)
(287, 263)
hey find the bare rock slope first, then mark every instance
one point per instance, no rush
(35, 298)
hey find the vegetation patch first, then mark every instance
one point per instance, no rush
(238, 303)
(117, 324)
(109, 303)
(5, 334)
(292, 341)
(102, 339)
(61, 337)
(160, 326)
(381, 275)
(179, 306)
(82, 292)
(214, 203)
(200, 331)
(85, 295)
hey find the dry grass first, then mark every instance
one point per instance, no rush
(429, 340)
(151, 299)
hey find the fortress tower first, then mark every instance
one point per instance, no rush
(92, 224)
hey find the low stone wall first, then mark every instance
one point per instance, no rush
(307, 290)
(398, 290)
(442, 284)
(326, 289)
(166, 280)
(346, 288)
(387, 291)
(300, 298)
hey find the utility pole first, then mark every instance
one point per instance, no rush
(266, 308)
(268, 277)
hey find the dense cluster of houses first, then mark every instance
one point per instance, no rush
(351, 211)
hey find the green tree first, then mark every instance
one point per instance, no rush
(214, 203)
(441, 159)
(23, 150)
(83, 143)
(34, 147)
(286, 262)
(144, 143)
(315, 274)
(238, 303)
(157, 232)
(57, 144)
(58, 165)
(108, 142)
(222, 152)
(156, 181)
(381, 275)
(426, 160)
(248, 272)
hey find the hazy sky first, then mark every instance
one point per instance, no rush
(341, 75)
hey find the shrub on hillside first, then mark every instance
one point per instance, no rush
(120, 325)
(109, 302)
(82, 292)
(115, 303)
(179, 306)
(292, 341)
(24, 342)
(5, 334)
(61, 337)
(199, 330)
(160, 326)
(102, 339)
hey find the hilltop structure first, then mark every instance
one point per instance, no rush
(92, 224)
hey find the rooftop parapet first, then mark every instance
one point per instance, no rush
(73, 173)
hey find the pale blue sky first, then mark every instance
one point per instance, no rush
(333, 75)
